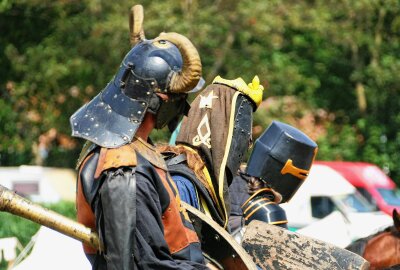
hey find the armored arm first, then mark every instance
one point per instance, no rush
(262, 206)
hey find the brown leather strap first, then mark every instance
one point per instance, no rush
(85, 214)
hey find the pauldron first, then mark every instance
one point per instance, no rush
(262, 206)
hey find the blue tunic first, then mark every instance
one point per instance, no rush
(187, 190)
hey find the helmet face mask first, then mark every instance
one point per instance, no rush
(171, 110)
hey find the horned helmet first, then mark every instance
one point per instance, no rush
(168, 64)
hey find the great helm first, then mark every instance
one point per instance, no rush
(168, 64)
(282, 157)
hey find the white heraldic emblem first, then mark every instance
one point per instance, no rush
(206, 102)
(203, 133)
(203, 130)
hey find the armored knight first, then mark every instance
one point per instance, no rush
(124, 191)
(211, 144)
(278, 165)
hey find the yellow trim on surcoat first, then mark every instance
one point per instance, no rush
(221, 177)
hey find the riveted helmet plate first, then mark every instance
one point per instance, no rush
(109, 120)
(112, 117)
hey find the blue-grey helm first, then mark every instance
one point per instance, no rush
(168, 64)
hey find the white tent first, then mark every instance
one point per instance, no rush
(53, 250)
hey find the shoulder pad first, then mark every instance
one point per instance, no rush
(260, 206)
(126, 156)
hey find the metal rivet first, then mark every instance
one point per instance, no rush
(143, 104)
(109, 111)
(96, 125)
(136, 81)
(75, 124)
(125, 138)
(148, 93)
(139, 112)
(91, 118)
(86, 115)
(152, 83)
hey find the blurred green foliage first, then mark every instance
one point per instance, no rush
(23, 229)
(337, 59)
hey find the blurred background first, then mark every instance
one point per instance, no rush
(330, 68)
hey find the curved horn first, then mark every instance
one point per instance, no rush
(136, 24)
(187, 79)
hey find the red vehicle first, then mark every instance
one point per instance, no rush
(370, 181)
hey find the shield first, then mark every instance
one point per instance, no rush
(269, 247)
(273, 247)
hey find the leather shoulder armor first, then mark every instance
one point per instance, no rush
(125, 156)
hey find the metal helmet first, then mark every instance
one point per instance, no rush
(168, 64)
(282, 157)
